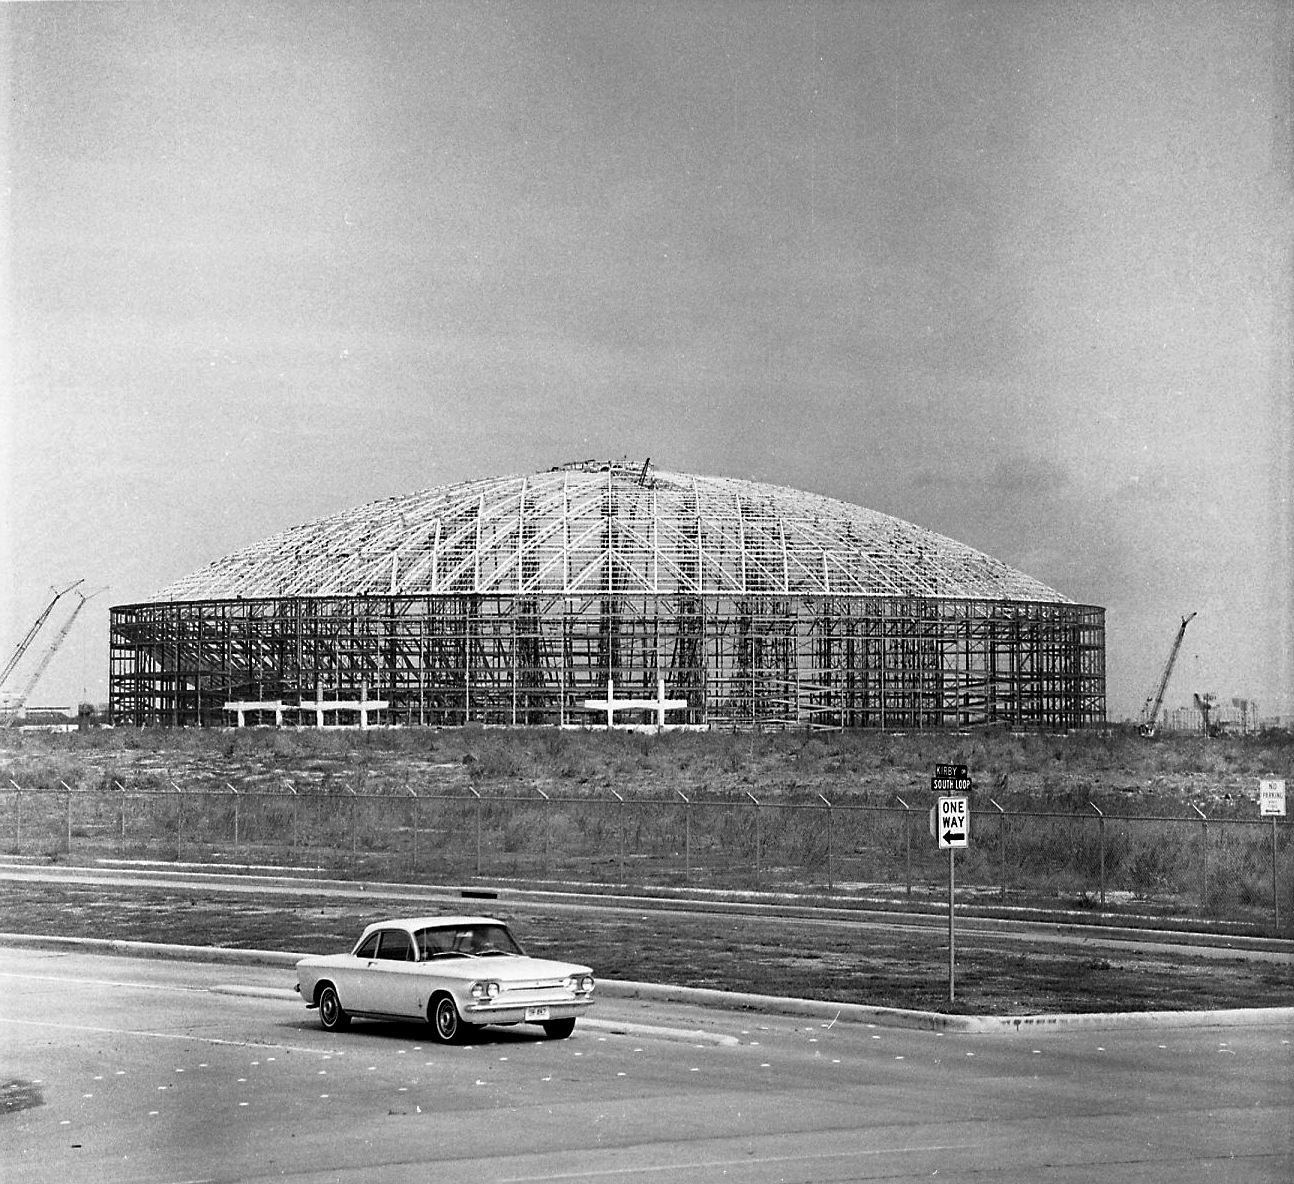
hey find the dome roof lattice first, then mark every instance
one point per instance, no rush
(584, 528)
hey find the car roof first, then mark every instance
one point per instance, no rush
(413, 923)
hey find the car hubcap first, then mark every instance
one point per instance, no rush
(446, 1021)
(328, 1005)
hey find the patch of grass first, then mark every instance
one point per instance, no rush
(878, 967)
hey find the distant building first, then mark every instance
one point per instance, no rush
(1236, 717)
(51, 719)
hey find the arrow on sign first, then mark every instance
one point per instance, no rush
(954, 836)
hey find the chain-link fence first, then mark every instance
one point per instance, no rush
(1222, 869)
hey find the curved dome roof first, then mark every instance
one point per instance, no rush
(587, 528)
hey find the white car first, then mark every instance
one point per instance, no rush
(454, 972)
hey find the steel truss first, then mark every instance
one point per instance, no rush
(752, 660)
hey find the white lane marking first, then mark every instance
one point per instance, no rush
(595, 1173)
(242, 990)
(100, 982)
(163, 1036)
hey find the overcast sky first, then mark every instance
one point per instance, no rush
(1019, 272)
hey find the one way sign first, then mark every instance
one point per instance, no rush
(952, 826)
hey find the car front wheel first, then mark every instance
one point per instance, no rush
(332, 1016)
(445, 1021)
(559, 1029)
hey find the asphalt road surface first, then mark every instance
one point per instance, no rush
(121, 1069)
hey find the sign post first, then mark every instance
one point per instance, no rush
(1271, 801)
(950, 824)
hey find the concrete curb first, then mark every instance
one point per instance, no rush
(935, 1021)
(891, 1017)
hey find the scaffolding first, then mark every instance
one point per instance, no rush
(513, 601)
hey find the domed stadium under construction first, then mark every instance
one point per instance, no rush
(596, 593)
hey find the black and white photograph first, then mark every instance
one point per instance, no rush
(646, 590)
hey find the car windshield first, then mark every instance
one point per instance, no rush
(466, 941)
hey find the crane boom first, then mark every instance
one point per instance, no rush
(1151, 712)
(16, 657)
(13, 709)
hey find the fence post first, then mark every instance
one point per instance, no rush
(754, 799)
(292, 789)
(1100, 827)
(236, 801)
(621, 800)
(477, 796)
(1204, 859)
(179, 822)
(354, 828)
(830, 828)
(17, 834)
(413, 870)
(1276, 900)
(68, 803)
(907, 843)
(1001, 845)
(548, 827)
(687, 835)
(121, 841)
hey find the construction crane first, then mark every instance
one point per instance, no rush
(14, 709)
(1150, 713)
(16, 657)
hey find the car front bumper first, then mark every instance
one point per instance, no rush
(536, 1011)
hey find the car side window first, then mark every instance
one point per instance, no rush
(369, 948)
(395, 946)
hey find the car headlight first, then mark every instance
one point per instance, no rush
(581, 984)
(485, 990)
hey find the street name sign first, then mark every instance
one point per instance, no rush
(951, 779)
(953, 826)
(1271, 797)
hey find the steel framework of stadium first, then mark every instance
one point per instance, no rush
(513, 600)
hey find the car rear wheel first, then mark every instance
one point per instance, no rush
(332, 1016)
(446, 1024)
(559, 1029)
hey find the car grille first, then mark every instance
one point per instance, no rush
(534, 991)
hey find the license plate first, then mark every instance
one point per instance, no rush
(536, 1013)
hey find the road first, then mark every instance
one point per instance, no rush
(152, 1072)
